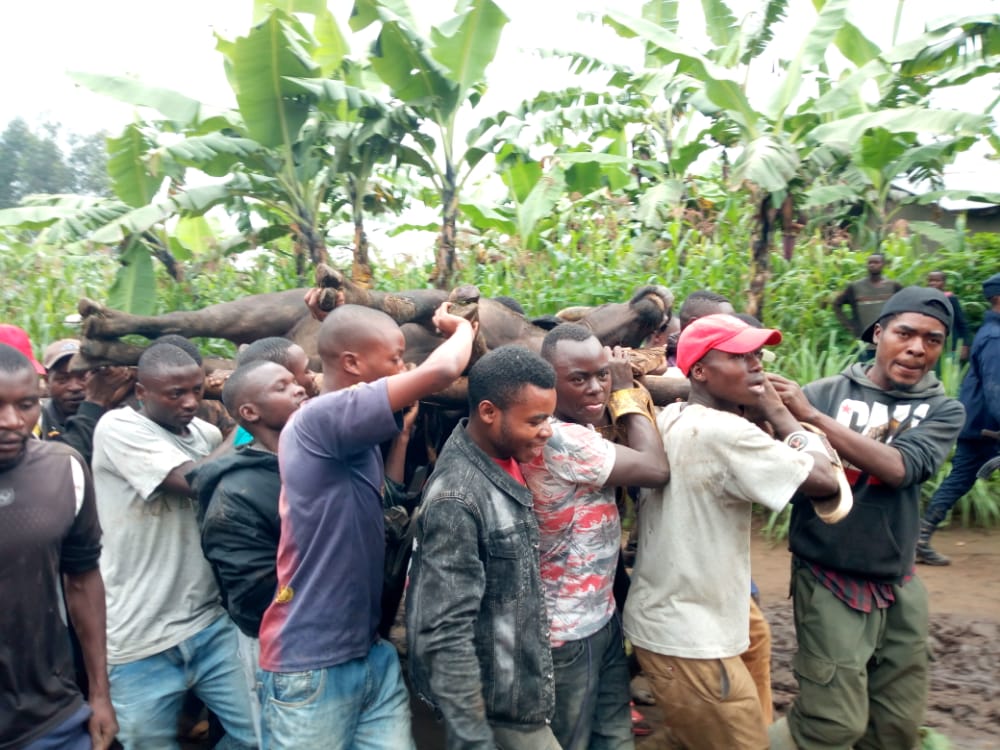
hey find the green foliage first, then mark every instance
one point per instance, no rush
(932, 740)
(44, 285)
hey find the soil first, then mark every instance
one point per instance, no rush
(964, 701)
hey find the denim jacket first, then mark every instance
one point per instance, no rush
(476, 624)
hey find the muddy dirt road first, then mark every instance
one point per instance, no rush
(964, 702)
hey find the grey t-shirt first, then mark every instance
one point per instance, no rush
(160, 589)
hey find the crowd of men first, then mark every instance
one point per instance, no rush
(147, 558)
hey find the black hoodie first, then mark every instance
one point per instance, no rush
(877, 540)
(238, 496)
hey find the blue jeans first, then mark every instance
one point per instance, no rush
(592, 692)
(969, 456)
(147, 694)
(361, 704)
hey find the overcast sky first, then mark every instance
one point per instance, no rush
(172, 44)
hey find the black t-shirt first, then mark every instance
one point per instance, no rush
(48, 526)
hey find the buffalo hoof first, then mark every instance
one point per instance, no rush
(95, 316)
(109, 352)
(464, 302)
(465, 294)
(329, 298)
(328, 277)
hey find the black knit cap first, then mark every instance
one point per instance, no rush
(991, 287)
(915, 299)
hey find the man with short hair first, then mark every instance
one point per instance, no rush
(238, 497)
(238, 492)
(166, 630)
(687, 613)
(700, 303)
(66, 387)
(980, 395)
(286, 353)
(861, 617)
(327, 678)
(209, 409)
(475, 618)
(573, 485)
(865, 297)
(50, 542)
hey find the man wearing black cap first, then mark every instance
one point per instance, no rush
(980, 395)
(860, 612)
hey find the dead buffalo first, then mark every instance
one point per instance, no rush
(286, 314)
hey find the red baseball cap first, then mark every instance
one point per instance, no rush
(726, 333)
(18, 338)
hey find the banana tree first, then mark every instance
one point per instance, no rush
(786, 140)
(437, 76)
(276, 164)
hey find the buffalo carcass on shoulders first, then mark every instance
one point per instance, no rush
(286, 314)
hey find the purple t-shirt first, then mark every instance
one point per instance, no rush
(332, 549)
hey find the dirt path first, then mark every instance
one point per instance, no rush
(964, 702)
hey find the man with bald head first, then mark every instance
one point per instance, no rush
(167, 632)
(328, 680)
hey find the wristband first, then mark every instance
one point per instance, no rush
(630, 401)
(803, 440)
(835, 507)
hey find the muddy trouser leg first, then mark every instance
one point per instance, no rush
(898, 675)
(708, 704)
(835, 644)
(757, 659)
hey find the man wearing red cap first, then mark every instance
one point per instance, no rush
(861, 616)
(687, 613)
(19, 339)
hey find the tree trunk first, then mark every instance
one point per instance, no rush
(760, 260)
(789, 227)
(444, 262)
(310, 238)
(361, 269)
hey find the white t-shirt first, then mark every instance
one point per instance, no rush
(579, 529)
(160, 589)
(690, 585)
